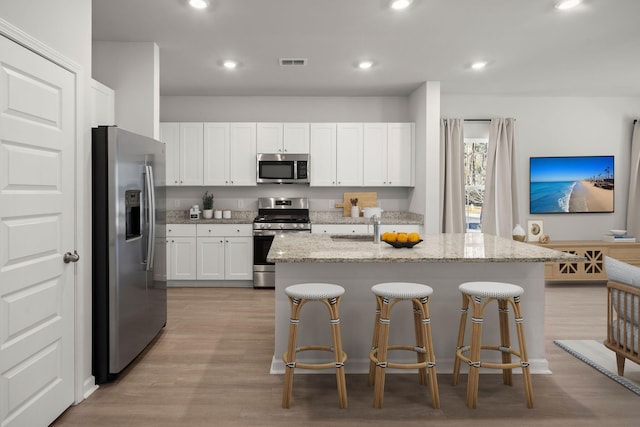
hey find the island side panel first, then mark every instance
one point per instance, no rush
(357, 308)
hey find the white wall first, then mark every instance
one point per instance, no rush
(65, 26)
(132, 71)
(283, 109)
(548, 126)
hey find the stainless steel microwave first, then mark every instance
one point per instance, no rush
(282, 169)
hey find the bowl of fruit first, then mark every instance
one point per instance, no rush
(401, 239)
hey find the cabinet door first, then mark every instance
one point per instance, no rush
(216, 154)
(400, 154)
(375, 154)
(242, 154)
(182, 258)
(322, 157)
(238, 258)
(269, 137)
(191, 149)
(349, 154)
(170, 135)
(102, 105)
(296, 138)
(210, 258)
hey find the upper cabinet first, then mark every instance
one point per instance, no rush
(336, 154)
(279, 138)
(230, 154)
(184, 152)
(388, 154)
(102, 105)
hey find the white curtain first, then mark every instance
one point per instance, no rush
(500, 209)
(452, 175)
(633, 208)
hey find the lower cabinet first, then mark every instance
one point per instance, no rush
(340, 228)
(210, 252)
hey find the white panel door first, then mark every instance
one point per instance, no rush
(242, 154)
(239, 258)
(191, 150)
(269, 137)
(322, 154)
(182, 258)
(210, 262)
(295, 138)
(349, 154)
(375, 154)
(400, 155)
(170, 135)
(216, 153)
(37, 227)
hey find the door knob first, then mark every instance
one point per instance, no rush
(70, 257)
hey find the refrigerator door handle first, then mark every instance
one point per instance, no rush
(151, 209)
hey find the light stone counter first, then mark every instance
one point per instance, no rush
(440, 261)
(468, 247)
(237, 217)
(391, 217)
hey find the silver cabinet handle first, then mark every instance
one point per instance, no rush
(70, 257)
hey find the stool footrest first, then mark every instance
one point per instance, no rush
(326, 365)
(396, 365)
(490, 365)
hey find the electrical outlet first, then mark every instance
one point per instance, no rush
(240, 203)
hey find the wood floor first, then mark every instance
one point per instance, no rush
(210, 367)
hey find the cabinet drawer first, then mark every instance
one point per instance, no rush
(407, 228)
(228, 230)
(186, 230)
(340, 228)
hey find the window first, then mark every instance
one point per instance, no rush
(475, 171)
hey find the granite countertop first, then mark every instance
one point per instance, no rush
(316, 217)
(469, 247)
(237, 217)
(391, 217)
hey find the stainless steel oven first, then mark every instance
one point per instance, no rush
(276, 217)
(282, 169)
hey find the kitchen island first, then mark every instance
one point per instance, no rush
(441, 261)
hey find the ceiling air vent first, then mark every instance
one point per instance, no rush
(292, 62)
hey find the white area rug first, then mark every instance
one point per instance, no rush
(596, 355)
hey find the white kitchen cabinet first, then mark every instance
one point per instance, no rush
(102, 105)
(322, 154)
(336, 154)
(225, 252)
(181, 252)
(184, 165)
(229, 154)
(388, 154)
(349, 145)
(281, 138)
(340, 228)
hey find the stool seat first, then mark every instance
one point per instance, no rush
(314, 291)
(497, 290)
(401, 290)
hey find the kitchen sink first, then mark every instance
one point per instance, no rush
(352, 237)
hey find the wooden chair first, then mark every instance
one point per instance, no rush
(623, 311)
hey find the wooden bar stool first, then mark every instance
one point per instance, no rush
(479, 294)
(387, 295)
(329, 295)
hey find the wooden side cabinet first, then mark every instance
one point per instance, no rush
(592, 269)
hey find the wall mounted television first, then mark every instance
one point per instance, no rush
(573, 184)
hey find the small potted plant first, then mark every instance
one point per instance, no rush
(207, 205)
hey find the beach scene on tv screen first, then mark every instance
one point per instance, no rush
(571, 184)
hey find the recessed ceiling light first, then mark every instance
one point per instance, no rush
(400, 4)
(229, 64)
(567, 4)
(365, 65)
(199, 4)
(479, 65)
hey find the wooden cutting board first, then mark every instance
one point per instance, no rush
(365, 200)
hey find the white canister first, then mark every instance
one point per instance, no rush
(217, 214)
(355, 212)
(226, 214)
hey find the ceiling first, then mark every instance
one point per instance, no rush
(532, 48)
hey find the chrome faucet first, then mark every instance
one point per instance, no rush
(375, 219)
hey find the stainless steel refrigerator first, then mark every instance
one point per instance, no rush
(129, 255)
